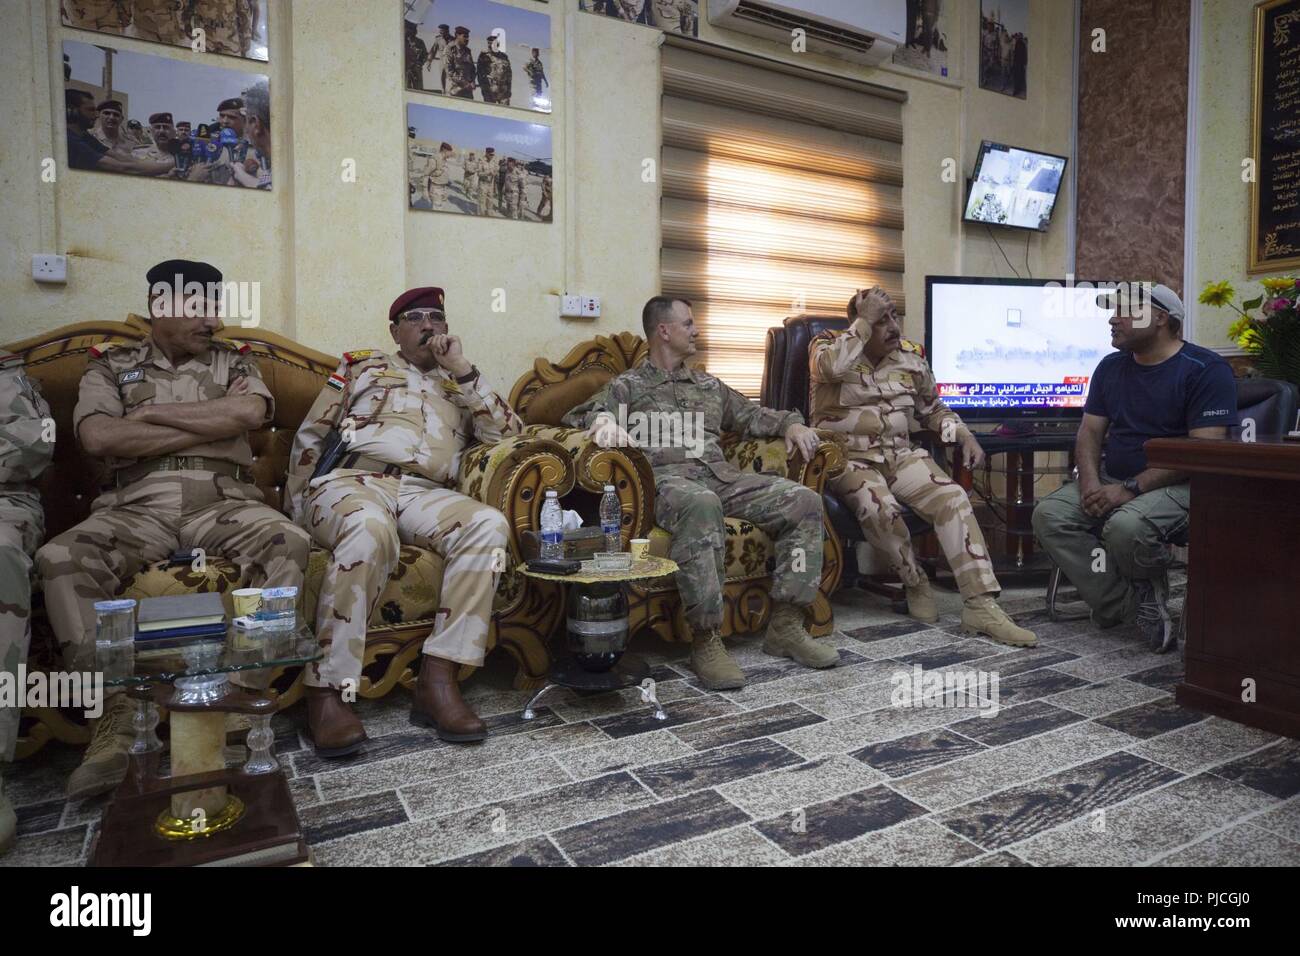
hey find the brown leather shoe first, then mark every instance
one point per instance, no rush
(335, 730)
(438, 703)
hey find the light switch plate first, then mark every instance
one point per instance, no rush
(591, 306)
(48, 267)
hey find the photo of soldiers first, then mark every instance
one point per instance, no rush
(228, 27)
(413, 410)
(170, 417)
(222, 149)
(1004, 46)
(493, 51)
(478, 165)
(926, 47)
(670, 16)
(26, 447)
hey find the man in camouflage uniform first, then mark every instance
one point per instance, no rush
(437, 55)
(228, 25)
(26, 445)
(160, 21)
(536, 73)
(876, 391)
(108, 126)
(439, 178)
(458, 67)
(419, 167)
(494, 74)
(171, 416)
(407, 419)
(416, 55)
(469, 177)
(487, 182)
(695, 486)
(546, 199)
(516, 178)
(108, 15)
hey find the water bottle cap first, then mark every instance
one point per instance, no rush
(550, 493)
(108, 607)
(270, 594)
(609, 487)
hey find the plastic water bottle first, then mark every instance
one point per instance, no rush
(552, 527)
(115, 638)
(611, 520)
(279, 612)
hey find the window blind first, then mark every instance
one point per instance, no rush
(781, 194)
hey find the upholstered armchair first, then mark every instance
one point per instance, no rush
(552, 389)
(511, 475)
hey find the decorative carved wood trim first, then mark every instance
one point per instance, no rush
(614, 353)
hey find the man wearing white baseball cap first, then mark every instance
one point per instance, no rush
(1155, 386)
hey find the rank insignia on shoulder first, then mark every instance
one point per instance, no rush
(134, 375)
(336, 382)
(907, 346)
(360, 355)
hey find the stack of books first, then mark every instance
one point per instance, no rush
(179, 619)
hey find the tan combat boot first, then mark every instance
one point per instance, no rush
(920, 602)
(713, 665)
(8, 822)
(106, 760)
(787, 638)
(981, 615)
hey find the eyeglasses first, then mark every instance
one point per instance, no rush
(420, 316)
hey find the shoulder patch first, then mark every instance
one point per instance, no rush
(336, 382)
(907, 346)
(358, 356)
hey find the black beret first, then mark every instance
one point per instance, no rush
(234, 103)
(110, 105)
(188, 270)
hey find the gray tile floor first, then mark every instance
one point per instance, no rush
(1088, 761)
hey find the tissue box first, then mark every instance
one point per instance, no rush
(580, 544)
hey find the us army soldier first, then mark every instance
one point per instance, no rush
(26, 446)
(407, 418)
(171, 416)
(876, 391)
(696, 486)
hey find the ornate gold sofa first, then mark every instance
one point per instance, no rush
(511, 475)
(547, 393)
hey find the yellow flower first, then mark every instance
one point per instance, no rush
(1217, 294)
(1278, 285)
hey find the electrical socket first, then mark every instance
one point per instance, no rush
(570, 306)
(591, 306)
(48, 267)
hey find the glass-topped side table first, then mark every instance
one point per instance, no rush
(204, 813)
(596, 632)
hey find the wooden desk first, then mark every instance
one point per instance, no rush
(1243, 580)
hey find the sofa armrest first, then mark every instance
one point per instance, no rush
(513, 476)
(627, 469)
(828, 462)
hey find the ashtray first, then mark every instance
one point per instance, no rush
(613, 561)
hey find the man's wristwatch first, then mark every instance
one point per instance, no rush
(1131, 486)
(468, 376)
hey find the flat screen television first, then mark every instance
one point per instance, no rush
(1006, 349)
(1014, 187)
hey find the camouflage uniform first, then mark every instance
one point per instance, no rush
(227, 25)
(547, 186)
(160, 20)
(470, 178)
(536, 74)
(24, 453)
(438, 181)
(494, 77)
(97, 14)
(459, 71)
(693, 495)
(514, 194)
(434, 60)
(419, 166)
(419, 423)
(148, 518)
(487, 185)
(877, 408)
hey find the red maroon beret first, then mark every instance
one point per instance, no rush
(425, 297)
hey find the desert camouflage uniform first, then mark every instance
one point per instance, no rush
(458, 68)
(24, 454)
(152, 517)
(536, 74)
(692, 495)
(417, 174)
(514, 194)
(227, 25)
(97, 14)
(439, 180)
(421, 423)
(487, 185)
(878, 408)
(470, 178)
(160, 20)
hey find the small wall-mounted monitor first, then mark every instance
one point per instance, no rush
(1014, 187)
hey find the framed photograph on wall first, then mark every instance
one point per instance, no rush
(1004, 46)
(229, 27)
(152, 116)
(478, 50)
(477, 165)
(1274, 121)
(670, 16)
(927, 34)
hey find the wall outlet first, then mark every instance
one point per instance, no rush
(48, 267)
(591, 306)
(570, 306)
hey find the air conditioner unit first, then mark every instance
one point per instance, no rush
(861, 31)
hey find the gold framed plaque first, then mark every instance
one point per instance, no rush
(1274, 243)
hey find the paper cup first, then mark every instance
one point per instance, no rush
(247, 601)
(640, 548)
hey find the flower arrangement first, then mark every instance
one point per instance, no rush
(1273, 337)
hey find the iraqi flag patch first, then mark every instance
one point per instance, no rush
(336, 382)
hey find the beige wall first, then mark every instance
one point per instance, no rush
(331, 255)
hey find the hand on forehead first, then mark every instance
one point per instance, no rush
(873, 303)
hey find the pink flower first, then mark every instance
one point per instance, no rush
(1277, 305)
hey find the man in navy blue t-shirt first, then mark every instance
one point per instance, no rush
(1155, 386)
